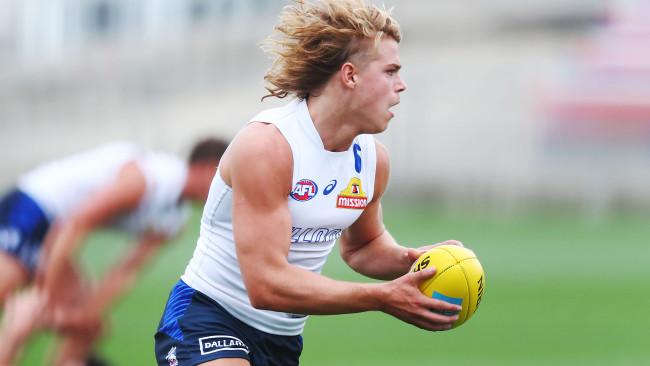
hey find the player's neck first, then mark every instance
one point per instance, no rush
(332, 122)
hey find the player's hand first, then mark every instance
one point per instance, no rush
(415, 253)
(79, 320)
(404, 301)
(24, 314)
(70, 289)
(76, 313)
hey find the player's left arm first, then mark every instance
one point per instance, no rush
(121, 278)
(366, 246)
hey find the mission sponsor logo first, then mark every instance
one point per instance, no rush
(304, 190)
(220, 343)
(352, 196)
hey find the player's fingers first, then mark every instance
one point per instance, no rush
(433, 321)
(414, 253)
(423, 275)
(442, 307)
(447, 316)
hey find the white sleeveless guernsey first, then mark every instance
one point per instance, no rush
(330, 191)
(58, 187)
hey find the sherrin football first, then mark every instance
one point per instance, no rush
(459, 278)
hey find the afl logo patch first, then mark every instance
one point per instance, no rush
(304, 190)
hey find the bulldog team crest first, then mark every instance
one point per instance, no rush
(171, 357)
(352, 196)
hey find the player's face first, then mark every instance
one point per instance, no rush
(378, 86)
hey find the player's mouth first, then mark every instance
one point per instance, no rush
(392, 114)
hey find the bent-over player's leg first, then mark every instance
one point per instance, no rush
(23, 226)
(23, 316)
(76, 342)
(76, 348)
(13, 275)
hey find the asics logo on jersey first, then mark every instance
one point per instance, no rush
(330, 187)
(304, 190)
(219, 343)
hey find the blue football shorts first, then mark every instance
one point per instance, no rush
(195, 329)
(23, 226)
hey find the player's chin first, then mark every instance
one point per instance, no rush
(380, 124)
(380, 128)
(387, 120)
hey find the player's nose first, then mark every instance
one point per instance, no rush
(401, 84)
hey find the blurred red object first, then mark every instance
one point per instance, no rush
(603, 92)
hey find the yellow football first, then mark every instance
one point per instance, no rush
(459, 278)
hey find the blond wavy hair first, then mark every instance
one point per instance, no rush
(315, 38)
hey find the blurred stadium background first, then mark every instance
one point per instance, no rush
(525, 132)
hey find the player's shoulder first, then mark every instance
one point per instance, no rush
(382, 172)
(261, 140)
(381, 151)
(259, 149)
(278, 114)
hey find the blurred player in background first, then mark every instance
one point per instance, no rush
(55, 207)
(294, 180)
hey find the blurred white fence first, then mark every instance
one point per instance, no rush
(470, 126)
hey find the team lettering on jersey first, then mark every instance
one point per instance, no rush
(313, 235)
(352, 196)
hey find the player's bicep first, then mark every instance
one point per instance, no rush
(260, 175)
(365, 229)
(259, 223)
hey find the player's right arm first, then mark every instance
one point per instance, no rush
(258, 166)
(120, 196)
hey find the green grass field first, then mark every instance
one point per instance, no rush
(559, 291)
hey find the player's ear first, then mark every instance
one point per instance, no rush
(348, 75)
